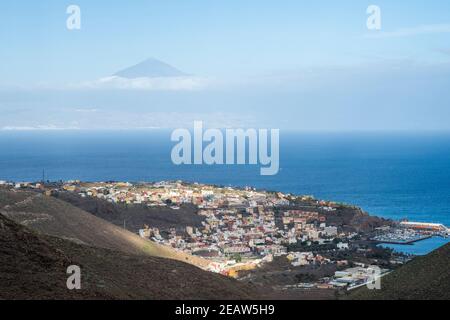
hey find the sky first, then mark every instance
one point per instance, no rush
(297, 65)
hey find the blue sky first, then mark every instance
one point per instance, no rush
(290, 64)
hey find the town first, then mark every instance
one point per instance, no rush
(243, 230)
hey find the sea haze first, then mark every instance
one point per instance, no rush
(394, 175)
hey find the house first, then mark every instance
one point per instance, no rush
(342, 246)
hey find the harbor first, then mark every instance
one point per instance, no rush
(407, 240)
(416, 238)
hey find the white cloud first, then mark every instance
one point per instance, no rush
(126, 119)
(85, 110)
(414, 31)
(145, 84)
(38, 127)
(444, 51)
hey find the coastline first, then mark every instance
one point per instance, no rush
(403, 247)
(391, 175)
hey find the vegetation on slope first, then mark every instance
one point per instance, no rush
(425, 277)
(34, 267)
(54, 217)
(136, 216)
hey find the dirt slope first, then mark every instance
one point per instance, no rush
(54, 217)
(136, 216)
(33, 267)
(423, 278)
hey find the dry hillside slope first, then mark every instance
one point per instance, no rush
(426, 277)
(34, 267)
(54, 217)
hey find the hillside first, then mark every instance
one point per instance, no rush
(54, 217)
(136, 216)
(349, 218)
(426, 277)
(33, 267)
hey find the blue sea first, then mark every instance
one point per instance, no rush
(393, 175)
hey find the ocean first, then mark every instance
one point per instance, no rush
(393, 175)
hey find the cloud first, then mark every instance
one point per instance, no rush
(129, 119)
(414, 31)
(444, 51)
(37, 128)
(82, 110)
(145, 84)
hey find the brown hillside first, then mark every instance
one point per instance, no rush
(423, 278)
(136, 215)
(33, 267)
(54, 217)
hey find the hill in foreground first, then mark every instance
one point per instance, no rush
(424, 278)
(34, 267)
(50, 216)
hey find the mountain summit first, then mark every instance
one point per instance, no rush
(150, 68)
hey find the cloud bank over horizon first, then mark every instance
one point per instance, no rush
(412, 31)
(143, 83)
(386, 95)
